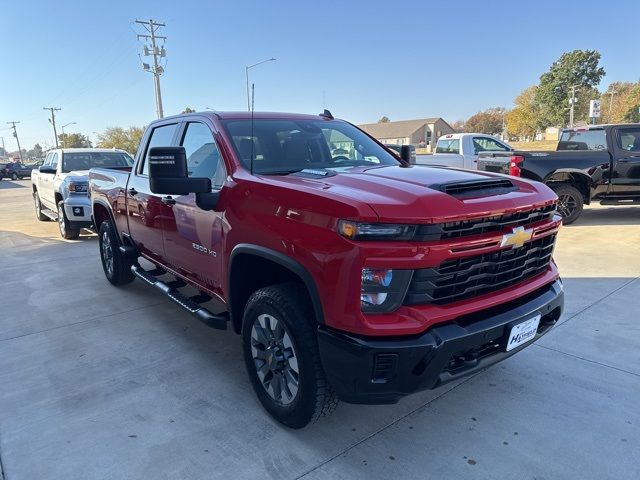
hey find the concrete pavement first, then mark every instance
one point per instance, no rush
(105, 383)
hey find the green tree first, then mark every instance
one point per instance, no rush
(523, 120)
(632, 105)
(384, 119)
(188, 110)
(579, 68)
(118, 137)
(489, 121)
(35, 152)
(74, 140)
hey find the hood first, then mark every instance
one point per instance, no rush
(426, 194)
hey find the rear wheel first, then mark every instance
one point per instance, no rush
(117, 267)
(282, 358)
(38, 206)
(66, 231)
(570, 202)
(14, 176)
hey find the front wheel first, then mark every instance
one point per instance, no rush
(282, 358)
(570, 202)
(66, 231)
(117, 267)
(14, 176)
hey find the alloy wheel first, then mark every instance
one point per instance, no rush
(567, 204)
(275, 358)
(107, 253)
(61, 222)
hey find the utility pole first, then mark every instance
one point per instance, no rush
(572, 102)
(15, 134)
(4, 150)
(612, 93)
(152, 27)
(52, 120)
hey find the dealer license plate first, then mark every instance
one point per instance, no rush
(523, 332)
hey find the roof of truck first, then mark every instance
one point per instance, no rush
(247, 115)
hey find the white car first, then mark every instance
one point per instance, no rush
(461, 150)
(60, 185)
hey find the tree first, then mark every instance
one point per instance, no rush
(35, 152)
(458, 125)
(117, 137)
(188, 110)
(578, 69)
(615, 102)
(632, 105)
(489, 121)
(384, 120)
(524, 119)
(74, 140)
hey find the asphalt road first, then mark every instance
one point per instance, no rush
(104, 383)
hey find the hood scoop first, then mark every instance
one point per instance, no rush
(476, 188)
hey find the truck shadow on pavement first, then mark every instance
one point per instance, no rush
(9, 184)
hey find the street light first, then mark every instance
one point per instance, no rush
(246, 71)
(70, 123)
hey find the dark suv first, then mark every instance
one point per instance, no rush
(14, 171)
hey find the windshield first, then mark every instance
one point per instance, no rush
(582, 140)
(286, 146)
(87, 160)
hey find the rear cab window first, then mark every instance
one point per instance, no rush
(629, 139)
(448, 145)
(486, 144)
(593, 139)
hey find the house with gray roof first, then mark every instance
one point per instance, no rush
(423, 132)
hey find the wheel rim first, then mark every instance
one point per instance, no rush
(107, 253)
(274, 357)
(567, 205)
(14, 177)
(61, 221)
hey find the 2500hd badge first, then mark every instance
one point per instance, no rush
(203, 249)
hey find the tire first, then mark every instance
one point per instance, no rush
(280, 316)
(570, 202)
(14, 176)
(38, 206)
(117, 267)
(63, 224)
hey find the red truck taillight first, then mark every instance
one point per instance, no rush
(514, 165)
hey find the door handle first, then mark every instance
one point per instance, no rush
(132, 192)
(168, 200)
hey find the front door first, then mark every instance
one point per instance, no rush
(145, 210)
(45, 184)
(625, 178)
(192, 236)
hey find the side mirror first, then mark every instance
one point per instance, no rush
(405, 154)
(47, 169)
(168, 174)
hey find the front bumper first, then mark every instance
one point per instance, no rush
(78, 210)
(382, 370)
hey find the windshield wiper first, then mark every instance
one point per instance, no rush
(280, 172)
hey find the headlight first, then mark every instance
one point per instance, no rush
(78, 187)
(383, 290)
(375, 231)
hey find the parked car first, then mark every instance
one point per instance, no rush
(397, 149)
(60, 185)
(14, 171)
(461, 150)
(595, 163)
(364, 279)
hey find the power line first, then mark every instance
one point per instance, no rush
(53, 121)
(15, 134)
(152, 27)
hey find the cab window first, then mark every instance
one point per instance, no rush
(54, 160)
(448, 145)
(629, 139)
(160, 137)
(484, 144)
(203, 156)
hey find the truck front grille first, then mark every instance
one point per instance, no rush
(467, 277)
(463, 228)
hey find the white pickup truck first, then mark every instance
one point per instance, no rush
(461, 150)
(60, 185)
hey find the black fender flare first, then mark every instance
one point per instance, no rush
(107, 207)
(285, 261)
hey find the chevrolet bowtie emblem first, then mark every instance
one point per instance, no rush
(518, 238)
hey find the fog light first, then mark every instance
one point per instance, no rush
(77, 211)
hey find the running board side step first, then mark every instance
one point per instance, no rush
(190, 304)
(620, 201)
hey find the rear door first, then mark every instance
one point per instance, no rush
(192, 236)
(145, 210)
(481, 144)
(625, 178)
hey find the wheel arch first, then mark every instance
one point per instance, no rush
(252, 267)
(575, 178)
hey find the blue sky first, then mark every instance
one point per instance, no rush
(403, 59)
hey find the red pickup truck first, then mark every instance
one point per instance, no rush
(351, 275)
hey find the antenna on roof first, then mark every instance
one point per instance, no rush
(253, 143)
(327, 114)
